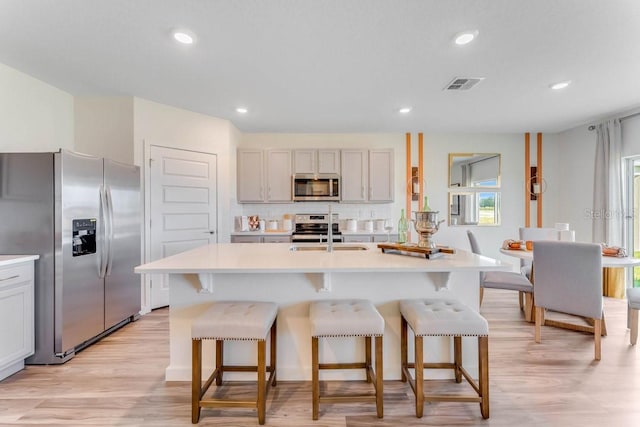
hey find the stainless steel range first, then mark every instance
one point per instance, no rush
(314, 228)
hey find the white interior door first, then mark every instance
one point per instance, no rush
(183, 206)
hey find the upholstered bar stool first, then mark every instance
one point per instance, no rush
(436, 318)
(224, 321)
(347, 318)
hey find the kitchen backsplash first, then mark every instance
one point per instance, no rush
(345, 211)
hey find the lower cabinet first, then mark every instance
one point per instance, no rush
(261, 239)
(16, 317)
(368, 238)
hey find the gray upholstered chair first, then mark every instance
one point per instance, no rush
(535, 234)
(568, 279)
(504, 280)
(633, 301)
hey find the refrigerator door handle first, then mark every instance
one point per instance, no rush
(109, 229)
(103, 234)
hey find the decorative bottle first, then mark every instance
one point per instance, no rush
(403, 228)
(425, 205)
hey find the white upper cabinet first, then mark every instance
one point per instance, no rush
(279, 176)
(251, 176)
(354, 176)
(381, 176)
(367, 176)
(316, 161)
(264, 176)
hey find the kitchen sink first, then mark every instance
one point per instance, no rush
(323, 248)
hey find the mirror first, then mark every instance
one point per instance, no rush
(477, 170)
(474, 208)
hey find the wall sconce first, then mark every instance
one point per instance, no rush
(535, 186)
(415, 184)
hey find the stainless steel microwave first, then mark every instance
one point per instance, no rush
(316, 187)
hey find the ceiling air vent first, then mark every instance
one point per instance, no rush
(463, 83)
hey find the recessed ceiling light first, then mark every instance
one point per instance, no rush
(404, 110)
(184, 37)
(560, 85)
(465, 37)
(241, 110)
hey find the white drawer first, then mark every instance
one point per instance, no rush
(15, 274)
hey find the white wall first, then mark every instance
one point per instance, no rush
(34, 116)
(511, 147)
(631, 136)
(163, 125)
(104, 127)
(569, 160)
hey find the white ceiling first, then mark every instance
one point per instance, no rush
(340, 65)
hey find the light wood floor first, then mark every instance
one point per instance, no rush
(120, 381)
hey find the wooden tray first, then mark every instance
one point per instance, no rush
(413, 249)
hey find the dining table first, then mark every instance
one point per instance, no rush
(607, 262)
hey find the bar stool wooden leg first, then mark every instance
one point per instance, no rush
(367, 357)
(315, 380)
(261, 403)
(457, 357)
(379, 377)
(219, 361)
(196, 379)
(419, 368)
(483, 363)
(404, 359)
(272, 356)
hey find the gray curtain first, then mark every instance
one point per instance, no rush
(608, 220)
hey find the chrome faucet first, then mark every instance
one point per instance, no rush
(330, 234)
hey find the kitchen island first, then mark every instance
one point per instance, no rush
(293, 278)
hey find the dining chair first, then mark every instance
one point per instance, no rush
(535, 234)
(633, 306)
(504, 280)
(568, 279)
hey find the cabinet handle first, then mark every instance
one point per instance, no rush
(362, 191)
(9, 278)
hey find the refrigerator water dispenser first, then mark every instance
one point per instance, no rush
(84, 236)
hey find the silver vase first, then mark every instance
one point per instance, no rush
(426, 224)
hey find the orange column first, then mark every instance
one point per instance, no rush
(527, 180)
(420, 170)
(539, 179)
(408, 178)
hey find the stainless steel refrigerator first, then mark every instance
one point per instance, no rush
(81, 214)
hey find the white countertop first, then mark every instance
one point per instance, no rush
(262, 233)
(278, 258)
(16, 259)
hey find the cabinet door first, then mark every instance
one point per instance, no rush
(356, 238)
(381, 176)
(383, 238)
(251, 176)
(276, 239)
(246, 239)
(354, 176)
(16, 313)
(329, 161)
(304, 161)
(279, 176)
